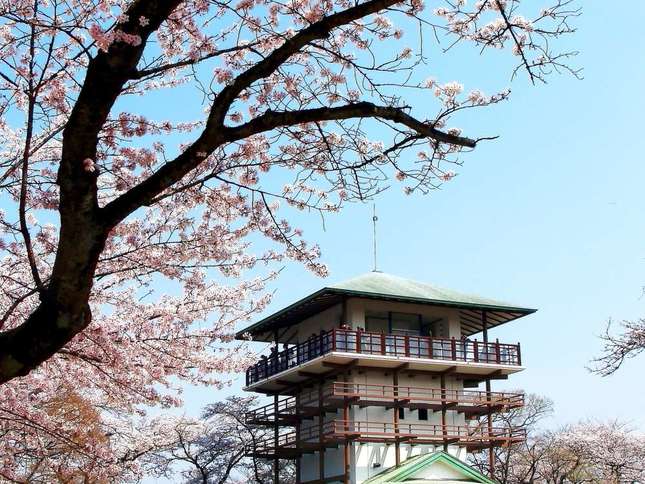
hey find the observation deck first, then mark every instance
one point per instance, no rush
(338, 347)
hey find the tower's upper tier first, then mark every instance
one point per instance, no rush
(473, 311)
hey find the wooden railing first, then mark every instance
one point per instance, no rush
(426, 395)
(426, 433)
(412, 433)
(267, 413)
(364, 342)
(385, 393)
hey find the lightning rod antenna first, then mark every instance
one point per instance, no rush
(374, 220)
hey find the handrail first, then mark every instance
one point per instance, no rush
(370, 343)
(267, 412)
(421, 430)
(335, 430)
(424, 394)
(341, 390)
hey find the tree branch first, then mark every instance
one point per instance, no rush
(318, 30)
(140, 74)
(271, 120)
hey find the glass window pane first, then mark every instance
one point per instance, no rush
(406, 323)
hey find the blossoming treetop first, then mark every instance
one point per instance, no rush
(99, 199)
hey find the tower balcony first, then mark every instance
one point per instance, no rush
(336, 432)
(472, 403)
(379, 350)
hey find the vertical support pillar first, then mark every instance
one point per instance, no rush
(489, 418)
(276, 436)
(397, 446)
(346, 456)
(321, 418)
(276, 429)
(299, 458)
(444, 430)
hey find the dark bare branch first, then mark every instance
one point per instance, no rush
(271, 120)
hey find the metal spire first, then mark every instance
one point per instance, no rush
(374, 220)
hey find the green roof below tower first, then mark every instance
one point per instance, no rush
(416, 470)
(387, 287)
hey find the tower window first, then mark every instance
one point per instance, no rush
(401, 413)
(423, 414)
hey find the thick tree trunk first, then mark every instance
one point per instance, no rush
(63, 311)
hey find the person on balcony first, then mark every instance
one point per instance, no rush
(323, 342)
(312, 346)
(285, 357)
(273, 359)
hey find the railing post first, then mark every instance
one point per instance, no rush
(430, 348)
(519, 355)
(333, 339)
(383, 343)
(497, 352)
(358, 341)
(406, 345)
(476, 351)
(453, 345)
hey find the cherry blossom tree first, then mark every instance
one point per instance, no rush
(586, 452)
(59, 454)
(131, 245)
(611, 452)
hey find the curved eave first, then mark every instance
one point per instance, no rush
(470, 313)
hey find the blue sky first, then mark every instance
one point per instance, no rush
(551, 215)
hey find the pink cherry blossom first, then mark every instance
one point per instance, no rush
(88, 165)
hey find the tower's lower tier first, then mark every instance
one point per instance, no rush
(357, 421)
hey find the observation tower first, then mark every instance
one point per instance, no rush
(370, 373)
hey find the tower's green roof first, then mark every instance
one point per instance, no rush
(412, 466)
(387, 285)
(378, 285)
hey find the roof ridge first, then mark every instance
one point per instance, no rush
(414, 464)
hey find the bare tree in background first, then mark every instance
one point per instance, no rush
(517, 462)
(212, 450)
(627, 343)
